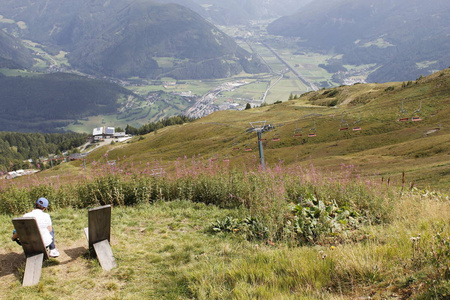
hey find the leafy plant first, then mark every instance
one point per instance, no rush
(254, 229)
(314, 219)
(229, 224)
(250, 227)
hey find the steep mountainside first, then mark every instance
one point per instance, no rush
(125, 38)
(230, 12)
(13, 55)
(42, 103)
(405, 38)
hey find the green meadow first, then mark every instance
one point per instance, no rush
(202, 232)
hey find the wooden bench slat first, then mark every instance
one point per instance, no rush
(33, 269)
(33, 247)
(98, 235)
(99, 224)
(29, 236)
(105, 255)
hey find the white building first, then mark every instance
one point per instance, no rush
(103, 132)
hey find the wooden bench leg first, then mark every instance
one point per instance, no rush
(33, 269)
(105, 255)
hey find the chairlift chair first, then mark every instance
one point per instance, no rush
(402, 112)
(297, 131)
(276, 135)
(344, 124)
(357, 128)
(248, 147)
(312, 130)
(416, 116)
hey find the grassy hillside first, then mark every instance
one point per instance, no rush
(280, 234)
(384, 147)
(195, 219)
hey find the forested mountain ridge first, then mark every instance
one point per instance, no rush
(13, 55)
(405, 38)
(46, 102)
(127, 38)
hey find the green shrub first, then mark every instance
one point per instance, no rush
(46, 191)
(15, 201)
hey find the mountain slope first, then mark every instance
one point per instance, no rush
(13, 55)
(384, 145)
(126, 38)
(42, 103)
(404, 38)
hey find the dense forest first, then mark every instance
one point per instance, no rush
(17, 148)
(42, 103)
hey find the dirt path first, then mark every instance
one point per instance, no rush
(12, 263)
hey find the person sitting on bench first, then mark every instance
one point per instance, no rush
(44, 223)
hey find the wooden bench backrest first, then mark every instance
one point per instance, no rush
(99, 224)
(29, 236)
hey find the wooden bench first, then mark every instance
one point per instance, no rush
(98, 234)
(33, 247)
